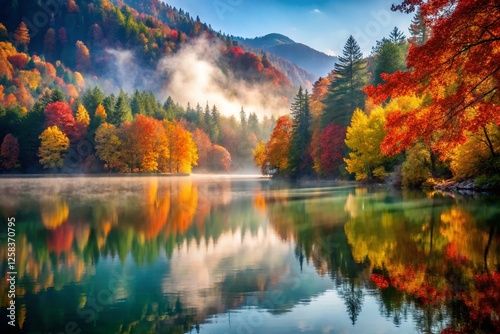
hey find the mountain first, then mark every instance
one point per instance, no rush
(311, 60)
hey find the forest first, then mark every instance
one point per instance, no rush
(418, 109)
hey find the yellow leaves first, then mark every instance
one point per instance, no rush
(101, 112)
(31, 78)
(53, 147)
(468, 159)
(54, 213)
(259, 155)
(364, 136)
(80, 82)
(82, 115)
(108, 145)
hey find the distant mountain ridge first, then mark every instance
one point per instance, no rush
(311, 60)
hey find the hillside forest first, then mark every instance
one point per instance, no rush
(423, 105)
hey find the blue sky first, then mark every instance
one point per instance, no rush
(322, 24)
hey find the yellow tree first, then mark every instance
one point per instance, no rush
(260, 156)
(53, 147)
(82, 116)
(108, 146)
(366, 134)
(363, 138)
(182, 150)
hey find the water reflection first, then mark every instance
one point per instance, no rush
(215, 254)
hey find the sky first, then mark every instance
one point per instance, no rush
(324, 25)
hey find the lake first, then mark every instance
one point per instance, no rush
(219, 254)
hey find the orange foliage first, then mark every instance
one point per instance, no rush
(184, 205)
(22, 36)
(82, 57)
(203, 145)
(279, 144)
(146, 142)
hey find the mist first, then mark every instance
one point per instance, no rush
(192, 76)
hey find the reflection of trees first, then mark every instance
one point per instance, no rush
(426, 256)
(316, 225)
(149, 218)
(353, 298)
(54, 212)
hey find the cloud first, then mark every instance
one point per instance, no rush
(316, 11)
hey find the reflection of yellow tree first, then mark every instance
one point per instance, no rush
(54, 212)
(184, 205)
(158, 208)
(466, 240)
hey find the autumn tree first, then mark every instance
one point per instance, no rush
(203, 147)
(82, 116)
(82, 57)
(9, 152)
(182, 150)
(451, 71)
(219, 159)
(60, 114)
(260, 157)
(476, 156)
(147, 142)
(278, 146)
(331, 149)
(53, 147)
(363, 138)
(109, 146)
(22, 36)
(345, 93)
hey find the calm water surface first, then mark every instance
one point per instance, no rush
(241, 255)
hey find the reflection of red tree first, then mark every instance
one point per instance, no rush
(483, 303)
(60, 239)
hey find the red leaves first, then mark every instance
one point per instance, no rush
(237, 51)
(331, 148)
(380, 281)
(60, 114)
(9, 152)
(19, 60)
(456, 71)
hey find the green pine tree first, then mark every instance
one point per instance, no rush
(419, 31)
(299, 159)
(122, 112)
(345, 93)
